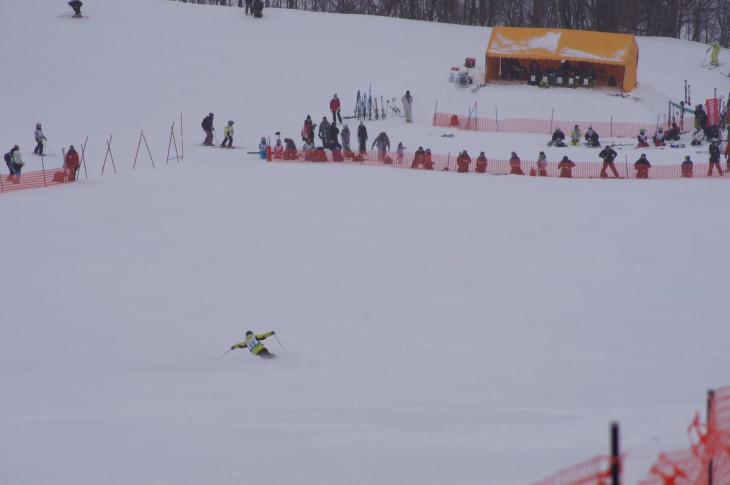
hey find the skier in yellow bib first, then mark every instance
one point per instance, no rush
(714, 51)
(254, 345)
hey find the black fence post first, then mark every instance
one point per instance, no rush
(615, 464)
(710, 399)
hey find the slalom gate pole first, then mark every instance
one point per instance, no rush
(224, 353)
(83, 158)
(43, 167)
(615, 456)
(136, 154)
(277, 339)
(182, 142)
(148, 149)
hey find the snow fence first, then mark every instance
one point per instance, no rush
(35, 179)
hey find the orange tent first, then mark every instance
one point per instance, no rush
(615, 55)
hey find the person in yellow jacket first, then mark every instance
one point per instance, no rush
(254, 345)
(228, 133)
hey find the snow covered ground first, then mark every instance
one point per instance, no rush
(439, 328)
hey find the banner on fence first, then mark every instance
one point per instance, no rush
(713, 111)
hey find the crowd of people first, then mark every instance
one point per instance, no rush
(563, 74)
(15, 163)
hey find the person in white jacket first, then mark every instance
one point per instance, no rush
(408, 106)
(39, 139)
(17, 161)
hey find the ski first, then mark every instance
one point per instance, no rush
(478, 87)
(377, 116)
(382, 108)
(357, 105)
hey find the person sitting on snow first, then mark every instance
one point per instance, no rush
(514, 164)
(659, 138)
(642, 138)
(481, 166)
(642, 167)
(687, 167)
(591, 138)
(575, 136)
(76, 6)
(462, 162)
(672, 134)
(254, 345)
(558, 139)
(697, 138)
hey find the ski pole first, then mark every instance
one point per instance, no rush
(277, 339)
(216, 136)
(224, 353)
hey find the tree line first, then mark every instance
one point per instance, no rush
(697, 20)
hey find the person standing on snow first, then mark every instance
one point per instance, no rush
(714, 158)
(714, 51)
(408, 106)
(335, 109)
(542, 164)
(324, 132)
(228, 135)
(566, 166)
(71, 164)
(207, 126)
(462, 162)
(308, 129)
(383, 143)
(514, 164)
(608, 155)
(39, 139)
(254, 345)
(345, 135)
(362, 137)
(248, 7)
(9, 158)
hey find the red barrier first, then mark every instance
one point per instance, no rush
(596, 471)
(582, 170)
(34, 180)
(544, 127)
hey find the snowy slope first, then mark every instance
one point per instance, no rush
(438, 328)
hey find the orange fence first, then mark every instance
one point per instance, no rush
(582, 170)
(33, 180)
(544, 127)
(596, 471)
(707, 460)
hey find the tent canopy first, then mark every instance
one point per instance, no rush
(620, 50)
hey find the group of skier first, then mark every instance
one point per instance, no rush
(209, 129)
(15, 163)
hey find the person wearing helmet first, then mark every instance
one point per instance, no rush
(324, 132)
(515, 165)
(558, 139)
(687, 167)
(641, 137)
(228, 135)
(254, 345)
(10, 159)
(659, 138)
(575, 136)
(335, 109)
(362, 138)
(566, 166)
(714, 158)
(262, 148)
(591, 138)
(428, 160)
(39, 139)
(345, 136)
(208, 128)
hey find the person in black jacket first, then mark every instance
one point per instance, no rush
(608, 155)
(76, 6)
(258, 9)
(207, 126)
(558, 139)
(714, 158)
(362, 137)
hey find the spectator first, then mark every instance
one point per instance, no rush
(575, 136)
(542, 165)
(249, 7)
(334, 136)
(18, 162)
(262, 147)
(714, 158)
(642, 138)
(400, 152)
(428, 162)
(308, 129)
(228, 132)
(71, 164)
(278, 150)
(362, 138)
(308, 149)
(324, 132)
(383, 144)
(335, 109)
(462, 162)
(290, 149)
(208, 128)
(10, 158)
(659, 138)
(558, 139)
(566, 166)
(514, 165)
(408, 106)
(419, 158)
(700, 117)
(672, 134)
(258, 9)
(481, 166)
(687, 167)
(591, 138)
(345, 135)
(697, 138)
(39, 139)
(712, 132)
(642, 167)
(608, 155)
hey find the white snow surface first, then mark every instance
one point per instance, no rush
(438, 327)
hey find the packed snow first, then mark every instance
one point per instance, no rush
(436, 327)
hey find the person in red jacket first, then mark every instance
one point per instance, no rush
(566, 166)
(462, 162)
(481, 166)
(642, 167)
(514, 164)
(71, 164)
(335, 108)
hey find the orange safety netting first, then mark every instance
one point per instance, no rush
(583, 170)
(32, 180)
(709, 453)
(596, 471)
(545, 127)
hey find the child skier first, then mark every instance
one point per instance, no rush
(254, 345)
(228, 132)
